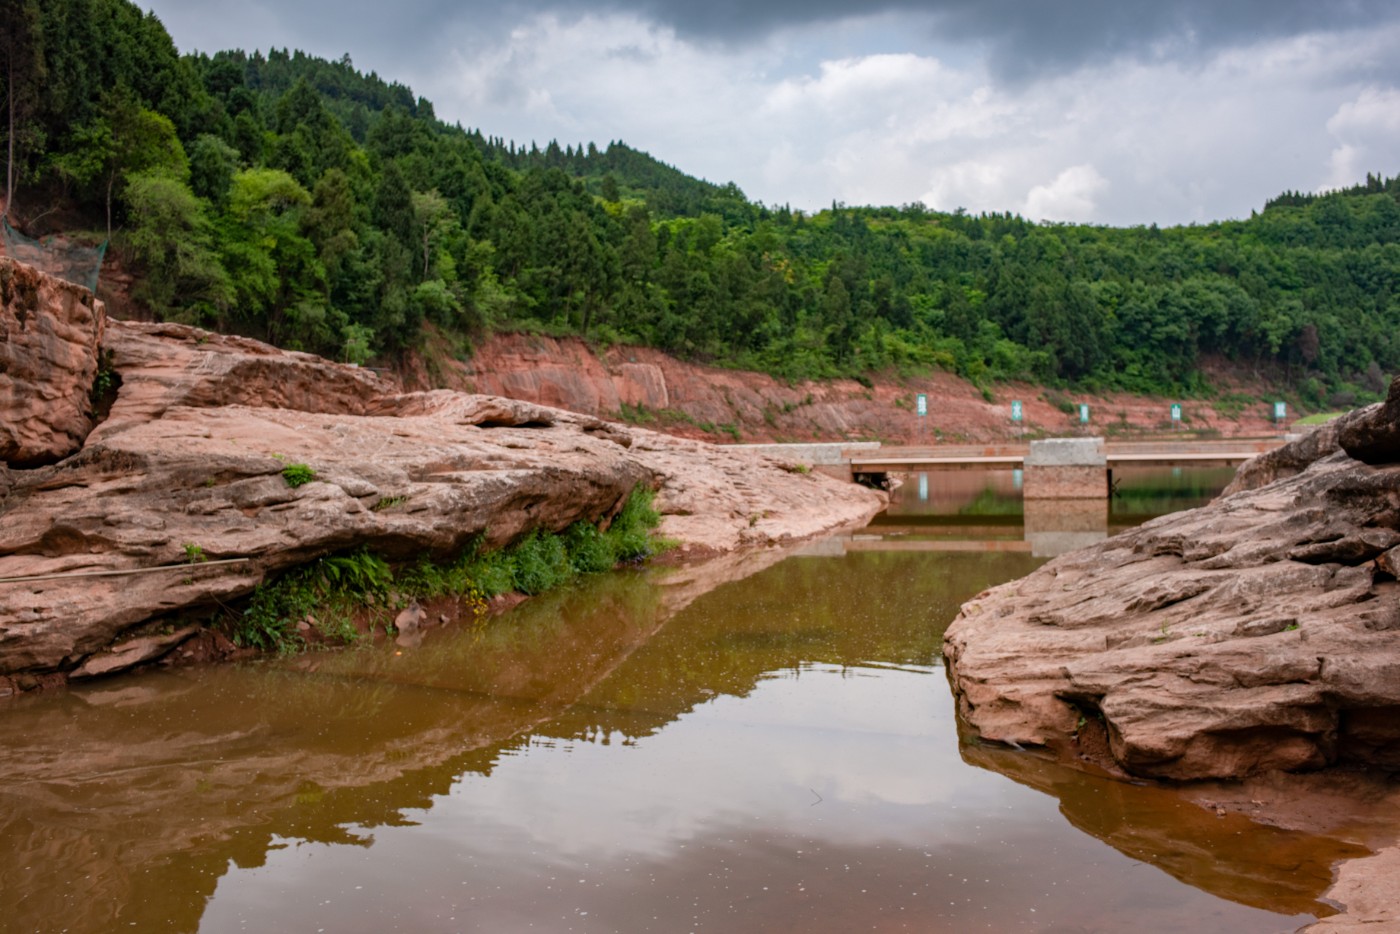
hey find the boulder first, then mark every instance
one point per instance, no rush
(1372, 434)
(1259, 632)
(1287, 461)
(50, 335)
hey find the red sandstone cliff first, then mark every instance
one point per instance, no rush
(648, 387)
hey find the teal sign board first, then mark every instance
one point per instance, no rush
(1016, 411)
(1083, 414)
(1176, 411)
(1280, 411)
(921, 404)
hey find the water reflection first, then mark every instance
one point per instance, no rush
(652, 751)
(969, 510)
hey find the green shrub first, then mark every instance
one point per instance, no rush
(491, 573)
(297, 474)
(326, 592)
(330, 591)
(590, 551)
(541, 563)
(631, 531)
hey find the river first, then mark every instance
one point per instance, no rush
(648, 751)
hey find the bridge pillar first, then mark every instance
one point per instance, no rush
(1066, 468)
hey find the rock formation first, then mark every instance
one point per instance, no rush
(190, 462)
(1259, 632)
(50, 332)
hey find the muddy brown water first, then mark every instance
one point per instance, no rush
(765, 744)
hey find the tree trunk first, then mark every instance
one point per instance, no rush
(10, 157)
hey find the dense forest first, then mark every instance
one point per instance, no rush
(306, 203)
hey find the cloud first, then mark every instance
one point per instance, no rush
(1070, 197)
(1367, 131)
(1029, 37)
(1020, 38)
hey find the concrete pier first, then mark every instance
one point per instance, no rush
(1066, 468)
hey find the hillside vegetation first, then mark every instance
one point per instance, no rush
(306, 203)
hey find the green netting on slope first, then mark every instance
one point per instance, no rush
(56, 256)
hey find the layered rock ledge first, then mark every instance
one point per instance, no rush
(190, 461)
(1259, 632)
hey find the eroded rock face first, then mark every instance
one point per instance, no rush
(1287, 461)
(1372, 434)
(693, 400)
(50, 333)
(1259, 632)
(190, 462)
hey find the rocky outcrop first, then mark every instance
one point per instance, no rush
(179, 501)
(1287, 461)
(1259, 632)
(50, 333)
(1371, 435)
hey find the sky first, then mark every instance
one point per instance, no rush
(1117, 112)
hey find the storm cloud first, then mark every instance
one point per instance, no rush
(1027, 37)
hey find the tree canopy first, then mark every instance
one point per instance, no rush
(301, 201)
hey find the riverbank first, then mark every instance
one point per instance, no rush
(224, 462)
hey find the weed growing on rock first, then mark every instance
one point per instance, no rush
(297, 475)
(194, 554)
(388, 502)
(323, 594)
(635, 414)
(590, 551)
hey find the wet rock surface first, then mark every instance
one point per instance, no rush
(178, 500)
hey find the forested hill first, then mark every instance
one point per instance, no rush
(304, 202)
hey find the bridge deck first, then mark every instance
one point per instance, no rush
(1010, 456)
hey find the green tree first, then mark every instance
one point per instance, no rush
(127, 139)
(172, 237)
(21, 48)
(212, 164)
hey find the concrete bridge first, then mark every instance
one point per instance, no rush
(1055, 468)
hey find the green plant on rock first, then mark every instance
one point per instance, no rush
(388, 502)
(194, 554)
(590, 551)
(358, 572)
(631, 531)
(297, 475)
(105, 381)
(325, 593)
